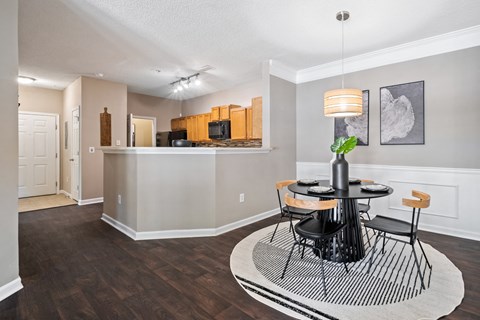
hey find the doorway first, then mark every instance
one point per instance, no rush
(141, 131)
(38, 154)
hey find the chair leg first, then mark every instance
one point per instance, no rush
(304, 245)
(368, 237)
(323, 271)
(418, 267)
(280, 220)
(373, 252)
(288, 260)
(423, 251)
(368, 215)
(340, 250)
(383, 247)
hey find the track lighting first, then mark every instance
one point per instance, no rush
(185, 82)
(25, 80)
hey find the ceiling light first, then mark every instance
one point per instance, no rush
(184, 82)
(343, 102)
(25, 80)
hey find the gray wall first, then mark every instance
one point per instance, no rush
(9, 142)
(452, 113)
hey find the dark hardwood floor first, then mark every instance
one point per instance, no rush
(74, 266)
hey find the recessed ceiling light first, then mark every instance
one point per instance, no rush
(25, 80)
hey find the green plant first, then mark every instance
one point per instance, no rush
(344, 144)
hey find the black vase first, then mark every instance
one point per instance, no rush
(340, 172)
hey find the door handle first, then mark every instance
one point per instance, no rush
(72, 159)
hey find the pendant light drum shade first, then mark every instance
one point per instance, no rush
(343, 103)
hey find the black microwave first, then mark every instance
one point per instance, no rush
(219, 130)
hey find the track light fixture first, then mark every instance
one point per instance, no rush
(185, 82)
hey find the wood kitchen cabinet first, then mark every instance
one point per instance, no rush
(256, 118)
(238, 123)
(215, 114)
(249, 122)
(225, 111)
(202, 126)
(192, 128)
(178, 124)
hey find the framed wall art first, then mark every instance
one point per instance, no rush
(355, 126)
(402, 115)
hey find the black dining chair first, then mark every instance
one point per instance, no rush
(384, 225)
(294, 212)
(319, 230)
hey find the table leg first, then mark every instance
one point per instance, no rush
(351, 238)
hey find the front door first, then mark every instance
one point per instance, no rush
(36, 154)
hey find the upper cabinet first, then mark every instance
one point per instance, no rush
(256, 118)
(238, 124)
(178, 124)
(225, 111)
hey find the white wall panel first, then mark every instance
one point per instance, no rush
(455, 192)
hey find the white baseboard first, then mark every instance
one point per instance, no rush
(10, 288)
(119, 226)
(68, 195)
(90, 201)
(184, 233)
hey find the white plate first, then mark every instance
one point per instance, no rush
(374, 187)
(307, 182)
(320, 189)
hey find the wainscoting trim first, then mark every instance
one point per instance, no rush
(10, 288)
(454, 192)
(185, 233)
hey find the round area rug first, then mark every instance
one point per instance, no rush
(392, 289)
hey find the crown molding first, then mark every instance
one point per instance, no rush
(448, 42)
(282, 71)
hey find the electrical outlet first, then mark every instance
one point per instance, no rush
(242, 197)
(117, 143)
(119, 199)
(91, 149)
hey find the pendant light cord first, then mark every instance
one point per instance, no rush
(343, 72)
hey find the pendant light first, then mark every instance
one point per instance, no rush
(343, 102)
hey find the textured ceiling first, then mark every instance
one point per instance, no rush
(127, 40)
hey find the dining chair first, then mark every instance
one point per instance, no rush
(297, 212)
(318, 229)
(384, 225)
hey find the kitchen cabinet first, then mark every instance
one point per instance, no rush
(215, 114)
(256, 118)
(192, 128)
(178, 124)
(202, 126)
(249, 122)
(225, 111)
(238, 123)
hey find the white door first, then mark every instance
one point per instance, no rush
(75, 156)
(36, 154)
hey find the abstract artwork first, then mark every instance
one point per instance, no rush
(402, 114)
(355, 126)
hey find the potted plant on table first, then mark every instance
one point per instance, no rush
(340, 147)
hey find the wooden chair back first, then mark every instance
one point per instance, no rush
(282, 184)
(310, 204)
(423, 202)
(367, 181)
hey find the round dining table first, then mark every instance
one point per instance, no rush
(347, 212)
